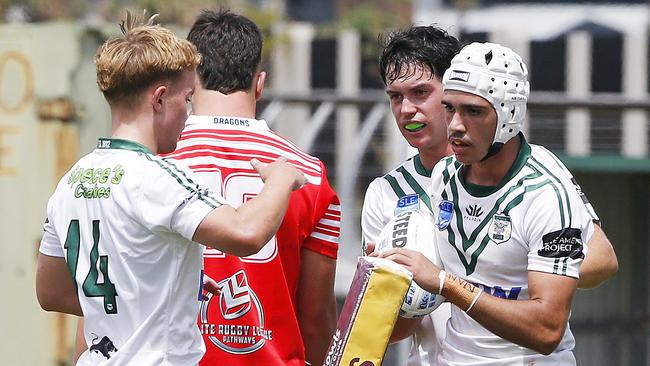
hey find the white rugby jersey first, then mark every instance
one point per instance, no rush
(492, 236)
(403, 188)
(410, 180)
(123, 219)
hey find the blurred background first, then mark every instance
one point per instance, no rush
(589, 65)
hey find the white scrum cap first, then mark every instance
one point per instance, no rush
(497, 74)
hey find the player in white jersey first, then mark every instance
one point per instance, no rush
(512, 228)
(411, 65)
(117, 245)
(415, 103)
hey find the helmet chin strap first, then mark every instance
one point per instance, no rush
(496, 146)
(493, 150)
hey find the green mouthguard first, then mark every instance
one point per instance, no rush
(413, 126)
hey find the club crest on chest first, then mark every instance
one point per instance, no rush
(500, 228)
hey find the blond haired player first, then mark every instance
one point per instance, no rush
(118, 243)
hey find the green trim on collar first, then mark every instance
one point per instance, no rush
(419, 167)
(108, 143)
(484, 191)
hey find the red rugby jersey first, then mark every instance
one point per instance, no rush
(253, 319)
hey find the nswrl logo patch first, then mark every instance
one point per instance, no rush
(562, 243)
(445, 213)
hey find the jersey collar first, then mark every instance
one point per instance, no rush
(419, 167)
(227, 122)
(484, 191)
(108, 143)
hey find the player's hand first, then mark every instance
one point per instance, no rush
(210, 286)
(369, 249)
(280, 169)
(424, 272)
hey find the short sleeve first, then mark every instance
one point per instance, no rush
(50, 243)
(372, 214)
(325, 234)
(559, 227)
(171, 200)
(570, 178)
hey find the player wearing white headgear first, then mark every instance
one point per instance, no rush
(511, 227)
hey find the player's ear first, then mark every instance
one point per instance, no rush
(157, 97)
(259, 84)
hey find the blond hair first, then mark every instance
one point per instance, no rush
(145, 53)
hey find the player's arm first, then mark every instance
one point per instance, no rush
(55, 289)
(80, 345)
(372, 215)
(245, 230)
(372, 222)
(538, 323)
(316, 304)
(404, 328)
(600, 263)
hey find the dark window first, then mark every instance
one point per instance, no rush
(607, 62)
(548, 64)
(370, 51)
(323, 63)
(315, 11)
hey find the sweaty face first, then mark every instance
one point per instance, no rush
(471, 124)
(176, 100)
(415, 103)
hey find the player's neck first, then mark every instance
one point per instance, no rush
(491, 172)
(431, 157)
(134, 126)
(212, 103)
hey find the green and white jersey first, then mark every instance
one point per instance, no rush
(380, 204)
(403, 188)
(535, 220)
(123, 219)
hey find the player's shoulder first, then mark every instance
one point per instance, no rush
(445, 168)
(403, 165)
(548, 162)
(300, 155)
(310, 165)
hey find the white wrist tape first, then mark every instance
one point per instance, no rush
(474, 301)
(441, 277)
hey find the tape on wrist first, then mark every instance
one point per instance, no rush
(441, 278)
(480, 291)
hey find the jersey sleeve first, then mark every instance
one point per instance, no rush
(559, 227)
(570, 178)
(50, 243)
(373, 217)
(171, 200)
(324, 237)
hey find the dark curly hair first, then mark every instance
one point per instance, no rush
(426, 46)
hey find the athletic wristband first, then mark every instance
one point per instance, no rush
(441, 278)
(460, 292)
(480, 291)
